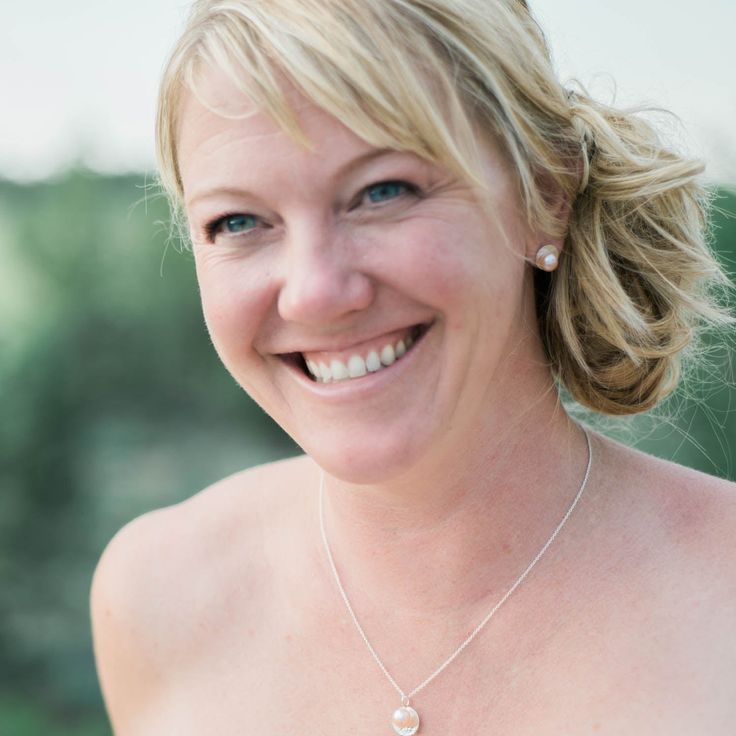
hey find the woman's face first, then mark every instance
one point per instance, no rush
(341, 256)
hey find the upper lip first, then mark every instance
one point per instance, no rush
(341, 342)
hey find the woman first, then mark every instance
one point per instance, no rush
(408, 237)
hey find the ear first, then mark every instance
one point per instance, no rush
(559, 207)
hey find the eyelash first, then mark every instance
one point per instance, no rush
(212, 228)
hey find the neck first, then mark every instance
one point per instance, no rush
(453, 536)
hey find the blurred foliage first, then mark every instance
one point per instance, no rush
(114, 403)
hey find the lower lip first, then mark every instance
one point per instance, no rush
(356, 387)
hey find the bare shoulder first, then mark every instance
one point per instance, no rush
(161, 579)
(662, 566)
(151, 553)
(686, 519)
(697, 513)
(688, 501)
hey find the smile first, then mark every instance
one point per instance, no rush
(370, 357)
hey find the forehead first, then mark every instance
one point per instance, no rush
(222, 133)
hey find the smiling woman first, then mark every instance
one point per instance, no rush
(408, 237)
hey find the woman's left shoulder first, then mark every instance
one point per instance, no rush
(662, 547)
(698, 515)
(688, 516)
(697, 508)
(694, 506)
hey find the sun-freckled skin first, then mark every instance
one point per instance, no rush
(445, 474)
(323, 262)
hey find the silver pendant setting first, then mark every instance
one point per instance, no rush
(405, 720)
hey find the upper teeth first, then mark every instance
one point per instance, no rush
(358, 365)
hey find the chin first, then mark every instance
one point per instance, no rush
(366, 461)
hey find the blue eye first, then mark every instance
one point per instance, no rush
(238, 223)
(386, 190)
(234, 224)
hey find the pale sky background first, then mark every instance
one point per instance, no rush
(78, 78)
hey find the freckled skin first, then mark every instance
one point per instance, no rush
(316, 269)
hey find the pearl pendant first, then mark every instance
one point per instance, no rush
(405, 721)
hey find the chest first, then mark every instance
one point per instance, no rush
(577, 678)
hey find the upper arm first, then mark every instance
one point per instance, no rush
(125, 593)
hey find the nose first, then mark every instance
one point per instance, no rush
(322, 279)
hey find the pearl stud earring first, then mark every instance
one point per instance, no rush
(548, 258)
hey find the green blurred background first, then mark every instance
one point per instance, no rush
(114, 403)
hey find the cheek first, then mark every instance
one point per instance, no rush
(235, 299)
(466, 267)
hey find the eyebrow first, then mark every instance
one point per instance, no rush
(342, 170)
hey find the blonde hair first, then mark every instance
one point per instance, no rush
(636, 274)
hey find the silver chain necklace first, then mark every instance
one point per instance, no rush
(405, 719)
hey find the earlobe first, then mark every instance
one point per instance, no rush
(544, 248)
